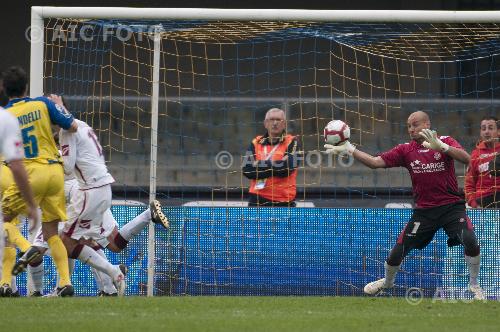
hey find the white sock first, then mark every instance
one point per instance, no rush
(97, 278)
(473, 264)
(90, 257)
(36, 273)
(106, 283)
(136, 225)
(390, 274)
(71, 266)
(13, 284)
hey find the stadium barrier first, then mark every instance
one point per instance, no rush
(288, 251)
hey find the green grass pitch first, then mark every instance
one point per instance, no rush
(244, 314)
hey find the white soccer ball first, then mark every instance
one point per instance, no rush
(336, 132)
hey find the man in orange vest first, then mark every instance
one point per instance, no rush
(482, 189)
(271, 164)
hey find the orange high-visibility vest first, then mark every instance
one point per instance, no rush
(276, 189)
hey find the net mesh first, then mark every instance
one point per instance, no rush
(217, 80)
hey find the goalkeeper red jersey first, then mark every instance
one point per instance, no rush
(432, 172)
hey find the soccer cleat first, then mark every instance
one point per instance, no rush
(51, 294)
(30, 255)
(374, 287)
(104, 294)
(477, 291)
(36, 294)
(65, 291)
(119, 279)
(157, 216)
(5, 291)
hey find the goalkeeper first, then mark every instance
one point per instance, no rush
(430, 161)
(482, 189)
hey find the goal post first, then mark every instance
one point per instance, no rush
(190, 85)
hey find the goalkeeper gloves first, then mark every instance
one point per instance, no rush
(432, 141)
(345, 147)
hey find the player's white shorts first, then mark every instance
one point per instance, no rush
(108, 224)
(86, 213)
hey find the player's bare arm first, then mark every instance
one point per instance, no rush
(369, 160)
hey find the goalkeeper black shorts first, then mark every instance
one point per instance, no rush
(424, 224)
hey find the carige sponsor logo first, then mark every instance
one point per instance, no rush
(419, 167)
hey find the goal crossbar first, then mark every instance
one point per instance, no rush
(369, 16)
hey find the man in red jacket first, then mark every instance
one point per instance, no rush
(482, 189)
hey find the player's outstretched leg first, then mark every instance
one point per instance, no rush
(119, 239)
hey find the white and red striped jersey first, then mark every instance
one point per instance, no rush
(82, 155)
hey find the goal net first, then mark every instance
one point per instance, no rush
(185, 144)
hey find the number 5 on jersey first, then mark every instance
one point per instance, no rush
(30, 142)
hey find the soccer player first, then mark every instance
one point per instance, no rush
(89, 211)
(9, 288)
(83, 157)
(111, 238)
(430, 161)
(84, 163)
(12, 152)
(44, 166)
(482, 189)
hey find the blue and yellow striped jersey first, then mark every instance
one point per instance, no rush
(35, 118)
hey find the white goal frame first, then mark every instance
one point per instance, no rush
(39, 13)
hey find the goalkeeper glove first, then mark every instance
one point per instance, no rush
(432, 141)
(346, 147)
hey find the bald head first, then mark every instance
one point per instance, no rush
(419, 116)
(416, 122)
